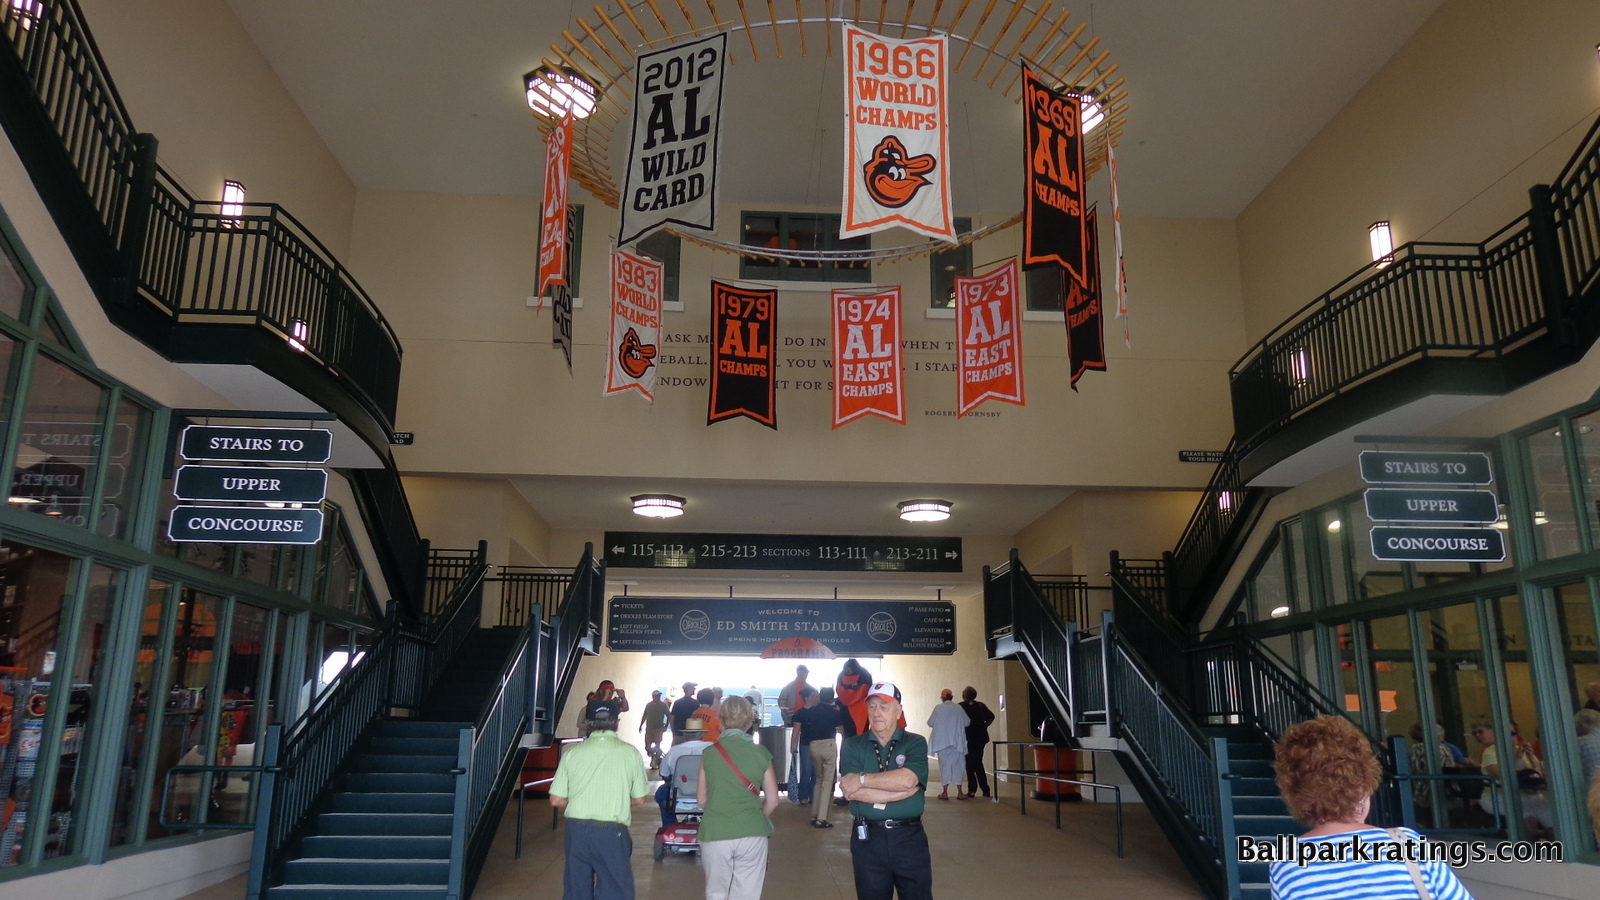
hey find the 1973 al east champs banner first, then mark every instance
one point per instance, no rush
(988, 339)
(635, 323)
(731, 626)
(744, 361)
(553, 211)
(672, 160)
(897, 150)
(1052, 213)
(866, 357)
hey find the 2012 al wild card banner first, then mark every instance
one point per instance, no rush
(988, 339)
(1052, 129)
(553, 211)
(1086, 338)
(672, 161)
(743, 359)
(866, 357)
(635, 323)
(897, 147)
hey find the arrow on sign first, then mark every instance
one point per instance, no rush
(949, 554)
(618, 550)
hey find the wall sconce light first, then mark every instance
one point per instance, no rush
(1225, 503)
(1381, 237)
(555, 92)
(924, 510)
(1300, 366)
(299, 331)
(657, 506)
(232, 204)
(26, 12)
(1334, 526)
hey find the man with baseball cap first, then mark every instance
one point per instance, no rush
(884, 772)
(606, 697)
(598, 782)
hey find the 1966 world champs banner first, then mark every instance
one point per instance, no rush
(734, 627)
(677, 119)
(898, 147)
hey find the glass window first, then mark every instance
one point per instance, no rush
(1576, 612)
(1299, 567)
(1269, 592)
(1330, 525)
(1373, 577)
(1045, 288)
(183, 738)
(1349, 685)
(129, 434)
(1553, 519)
(800, 231)
(15, 286)
(258, 562)
(1589, 459)
(33, 584)
(945, 265)
(1521, 749)
(136, 742)
(1394, 675)
(665, 248)
(88, 681)
(60, 443)
(239, 727)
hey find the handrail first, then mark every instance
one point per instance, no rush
(523, 589)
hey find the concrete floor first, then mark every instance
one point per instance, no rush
(980, 849)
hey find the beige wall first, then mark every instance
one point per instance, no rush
(1488, 98)
(486, 393)
(190, 75)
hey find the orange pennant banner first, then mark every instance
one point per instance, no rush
(553, 210)
(866, 357)
(988, 339)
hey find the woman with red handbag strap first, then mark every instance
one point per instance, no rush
(735, 830)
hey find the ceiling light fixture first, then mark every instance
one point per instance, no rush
(555, 92)
(1335, 525)
(924, 510)
(232, 204)
(657, 506)
(1279, 612)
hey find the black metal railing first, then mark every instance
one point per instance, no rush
(525, 589)
(401, 551)
(446, 569)
(575, 632)
(1068, 595)
(1575, 217)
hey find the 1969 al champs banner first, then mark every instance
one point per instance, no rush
(988, 339)
(898, 137)
(866, 357)
(553, 211)
(1052, 228)
(635, 323)
(744, 358)
(677, 118)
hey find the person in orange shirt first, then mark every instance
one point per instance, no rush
(710, 722)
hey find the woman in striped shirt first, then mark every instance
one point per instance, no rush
(1328, 773)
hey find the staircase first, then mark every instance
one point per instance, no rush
(386, 832)
(1258, 808)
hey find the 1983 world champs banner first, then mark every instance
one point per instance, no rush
(1053, 211)
(988, 339)
(898, 147)
(635, 323)
(672, 161)
(866, 357)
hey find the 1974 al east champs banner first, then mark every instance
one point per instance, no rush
(988, 339)
(672, 160)
(1053, 230)
(733, 626)
(744, 361)
(553, 211)
(897, 149)
(866, 357)
(635, 323)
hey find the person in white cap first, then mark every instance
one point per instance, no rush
(883, 772)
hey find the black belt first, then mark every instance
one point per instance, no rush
(895, 823)
(596, 823)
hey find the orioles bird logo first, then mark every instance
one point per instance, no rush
(635, 357)
(893, 178)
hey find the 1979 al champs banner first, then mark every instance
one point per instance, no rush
(898, 145)
(677, 119)
(866, 357)
(988, 339)
(1053, 211)
(744, 359)
(635, 323)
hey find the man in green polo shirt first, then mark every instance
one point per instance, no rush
(598, 782)
(884, 773)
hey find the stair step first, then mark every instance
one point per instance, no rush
(353, 846)
(371, 824)
(1265, 825)
(1255, 787)
(1254, 873)
(1251, 768)
(357, 892)
(391, 801)
(353, 871)
(430, 746)
(406, 728)
(1249, 750)
(1259, 806)
(377, 763)
(399, 783)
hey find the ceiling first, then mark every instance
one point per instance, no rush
(417, 95)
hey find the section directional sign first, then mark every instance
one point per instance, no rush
(1401, 544)
(245, 525)
(1412, 467)
(237, 444)
(251, 485)
(1423, 505)
(733, 627)
(810, 552)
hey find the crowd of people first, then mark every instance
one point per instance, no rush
(881, 771)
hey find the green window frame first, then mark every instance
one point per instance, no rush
(800, 231)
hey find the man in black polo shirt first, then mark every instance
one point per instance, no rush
(682, 711)
(884, 772)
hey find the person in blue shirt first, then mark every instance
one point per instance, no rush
(1327, 774)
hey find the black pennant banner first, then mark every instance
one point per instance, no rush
(743, 359)
(561, 321)
(1086, 339)
(1053, 220)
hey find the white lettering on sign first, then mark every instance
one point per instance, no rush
(252, 484)
(233, 443)
(217, 523)
(1419, 505)
(1437, 543)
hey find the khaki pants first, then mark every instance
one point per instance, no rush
(822, 761)
(736, 869)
